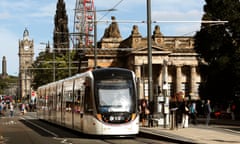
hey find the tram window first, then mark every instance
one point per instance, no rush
(88, 106)
(88, 100)
(78, 95)
(77, 101)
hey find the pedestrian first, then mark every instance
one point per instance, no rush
(1, 107)
(144, 112)
(193, 113)
(23, 108)
(185, 113)
(150, 116)
(233, 108)
(208, 111)
(11, 110)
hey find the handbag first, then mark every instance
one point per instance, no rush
(147, 111)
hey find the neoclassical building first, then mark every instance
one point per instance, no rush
(176, 53)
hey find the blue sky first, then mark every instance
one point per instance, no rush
(38, 17)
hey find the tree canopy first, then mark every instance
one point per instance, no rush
(218, 45)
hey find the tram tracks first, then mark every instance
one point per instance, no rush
(68, 136)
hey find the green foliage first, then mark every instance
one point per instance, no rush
(7, 82)
(3, 85)
(219, 45)
(44, 67)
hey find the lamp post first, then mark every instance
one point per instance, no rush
(95, 40)
(149, 41)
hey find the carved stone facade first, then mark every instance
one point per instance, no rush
(178, 52)
(26, 53)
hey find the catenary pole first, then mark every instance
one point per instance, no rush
(149, 41)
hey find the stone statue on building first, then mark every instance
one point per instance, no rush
(113, 30)
(157, 31)
(135, 31)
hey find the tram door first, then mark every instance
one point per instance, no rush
(63, 111)
(76, 107)
(59, 103)
(67, 99)
(81, 104)
(87, 105)
(79, 90)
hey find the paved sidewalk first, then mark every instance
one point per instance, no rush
(195, 134)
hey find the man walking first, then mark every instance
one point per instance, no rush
(208, 111)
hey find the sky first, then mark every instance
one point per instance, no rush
(38, 17)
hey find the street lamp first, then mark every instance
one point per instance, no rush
(149, 42)
(95, 40)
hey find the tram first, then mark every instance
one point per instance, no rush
(97, 102)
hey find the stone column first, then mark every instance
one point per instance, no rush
(193, 81)
(178, 78)
(140, 82)
(159, 78)
(138, 71)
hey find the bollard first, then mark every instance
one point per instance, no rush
(173, 118)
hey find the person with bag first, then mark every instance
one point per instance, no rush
(193, 113)
(144, 111)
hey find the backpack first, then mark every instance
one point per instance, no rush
(192, 109)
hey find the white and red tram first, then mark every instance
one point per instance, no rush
(98, 102)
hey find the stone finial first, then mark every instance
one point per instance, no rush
(113, 30)
(157, 31)
(135, 31)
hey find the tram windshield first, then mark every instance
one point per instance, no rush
(115, 96)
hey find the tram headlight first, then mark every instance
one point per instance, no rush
(99, 117)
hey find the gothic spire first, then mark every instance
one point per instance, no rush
(61, 32)
(25, 34)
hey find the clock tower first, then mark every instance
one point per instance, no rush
(26, 54)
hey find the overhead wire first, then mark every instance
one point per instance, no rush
(111, 9)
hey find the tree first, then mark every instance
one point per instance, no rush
(218, 45)
(42, 69)
(3, 86)
(45, 71)
(7, 82)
